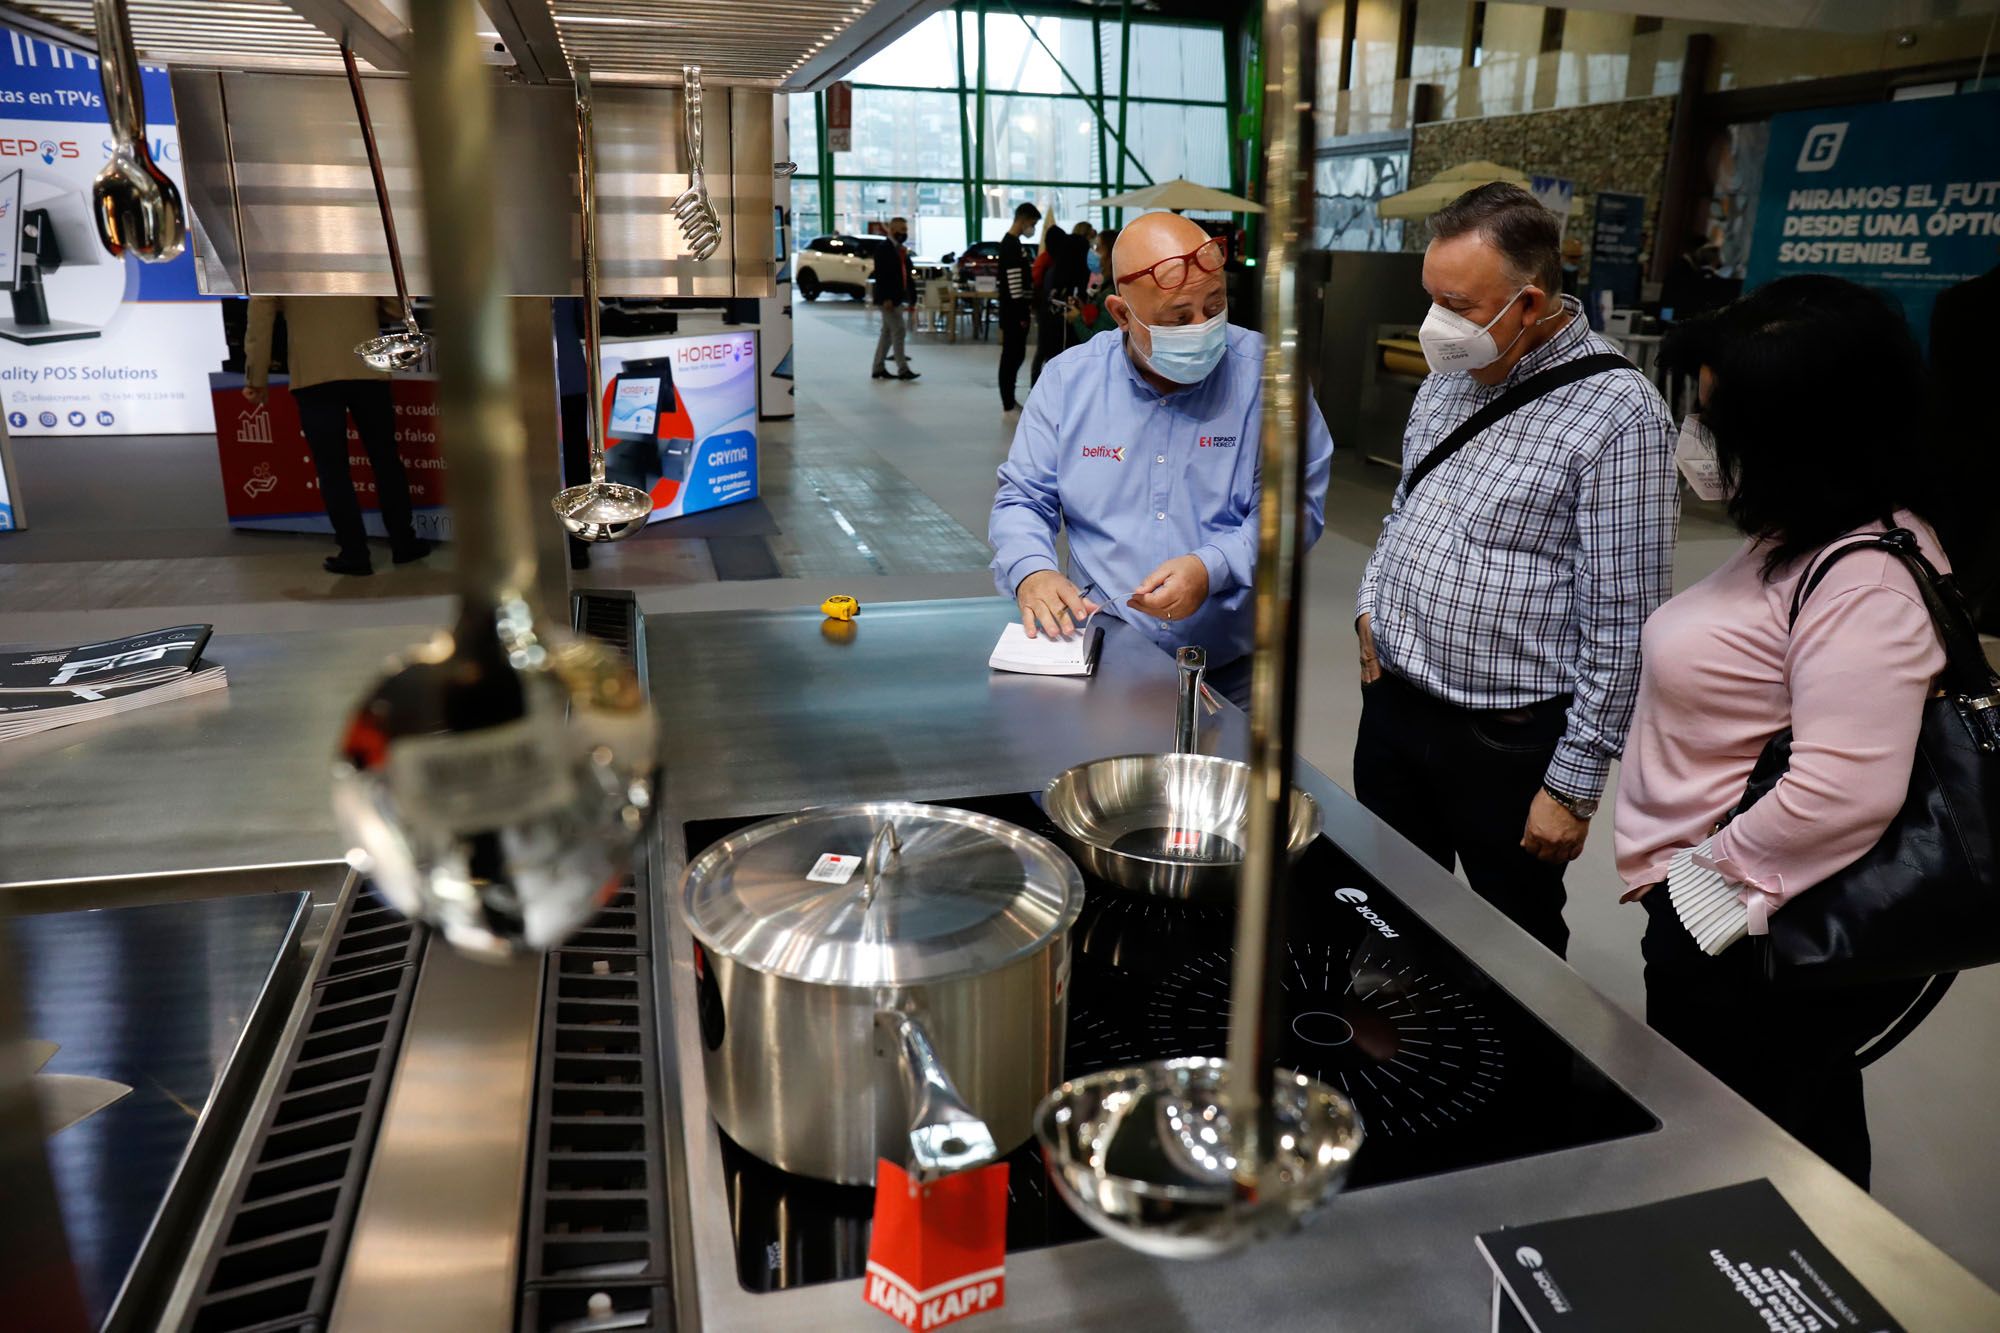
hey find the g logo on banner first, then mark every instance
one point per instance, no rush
(1822, 146)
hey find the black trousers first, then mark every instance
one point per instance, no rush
(1051, 338)
(1015, 318)
(1458, 783)
(1790, 1055)
(323, 413)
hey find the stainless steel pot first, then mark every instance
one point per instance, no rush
(881, 981)
(1170, 825)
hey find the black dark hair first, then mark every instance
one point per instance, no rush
(1028, 211)
(1517, 225)
(1818, 406)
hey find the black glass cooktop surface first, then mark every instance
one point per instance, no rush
(1448, 1070)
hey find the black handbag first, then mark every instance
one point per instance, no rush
(1924, 901)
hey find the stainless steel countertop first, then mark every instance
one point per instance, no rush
(764, 712)
(237, 778)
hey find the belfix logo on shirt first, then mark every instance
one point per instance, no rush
(1217, 442)
(1114, 452)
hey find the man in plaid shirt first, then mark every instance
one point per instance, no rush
(1499, 617)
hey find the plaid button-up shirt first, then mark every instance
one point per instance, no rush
(1525, 567)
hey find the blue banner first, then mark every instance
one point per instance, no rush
(1903, 197)
(1617, 235)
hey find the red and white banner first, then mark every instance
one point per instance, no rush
(268, 479)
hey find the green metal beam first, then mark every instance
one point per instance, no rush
(965, 131)
(1124, 86)
(1097, 53)
(825, 167)
(979, 142)
(1135, 99)
(1101, 188)
(1096, 104)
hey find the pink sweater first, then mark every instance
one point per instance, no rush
(1721, 676)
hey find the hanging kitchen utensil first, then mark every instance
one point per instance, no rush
(495, 782)
(700, 227)
(1184, 1158)
(877, 947)
(598, 510)
(1168, 825)
(392, 351)
(137, 206)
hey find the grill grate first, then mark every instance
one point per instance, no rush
(279, 1258)
(596, 1220)
(595, 1229)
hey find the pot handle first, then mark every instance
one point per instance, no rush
(883, 849)
(945, 1135)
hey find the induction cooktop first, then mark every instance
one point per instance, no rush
(1447, 1070)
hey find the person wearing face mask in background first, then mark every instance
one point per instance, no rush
(1531, 536)
(1143, 442)
(1804, 472)
(895, 291)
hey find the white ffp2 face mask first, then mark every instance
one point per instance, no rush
(1452, 342)
(1696, 457)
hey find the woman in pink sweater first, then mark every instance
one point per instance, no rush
(1810, 426)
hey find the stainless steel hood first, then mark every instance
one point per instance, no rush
(771, 44)
(282, 202)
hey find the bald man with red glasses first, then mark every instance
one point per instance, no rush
(1143, 445)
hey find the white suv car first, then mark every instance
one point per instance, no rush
(834, 264)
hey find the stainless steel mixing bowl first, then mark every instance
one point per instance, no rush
(1171, 825)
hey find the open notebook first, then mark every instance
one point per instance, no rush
(1046, 656)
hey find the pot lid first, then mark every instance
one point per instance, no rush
(887, 893)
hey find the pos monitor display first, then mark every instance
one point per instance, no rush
(10, 231)
(28, 236)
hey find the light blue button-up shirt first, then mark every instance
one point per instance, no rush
(1141, 477)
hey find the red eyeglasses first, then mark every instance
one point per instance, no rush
(1172, 273)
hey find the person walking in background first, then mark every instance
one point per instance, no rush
(329, 382)
(895, 291)
(1017, 302)
(1499, 616)
(1727, 668)
(1059, 282)
(1959, 367)
(1091, 315)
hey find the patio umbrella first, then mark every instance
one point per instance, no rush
(1179, 195)
(1444, 187)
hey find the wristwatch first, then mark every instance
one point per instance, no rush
(1582, 809)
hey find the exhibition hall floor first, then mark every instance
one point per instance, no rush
(881, 489)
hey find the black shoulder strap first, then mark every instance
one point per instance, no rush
(1527, 391)
(1966, 667)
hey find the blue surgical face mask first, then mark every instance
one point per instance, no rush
(1096, 264)
(1186, 353)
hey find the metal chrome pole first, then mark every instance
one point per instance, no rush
(586, 172)
(484, 444)
(381, 183)
(1256, 1015)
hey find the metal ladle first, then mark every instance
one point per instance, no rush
(137, 206)
(391, 351)
(598, 510)
(1187, 1158)
(494, 782)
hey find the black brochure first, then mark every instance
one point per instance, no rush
(139, 659)
(1725, 1260)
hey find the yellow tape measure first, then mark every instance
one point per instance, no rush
(840, 607)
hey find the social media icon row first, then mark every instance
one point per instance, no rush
(19, 420)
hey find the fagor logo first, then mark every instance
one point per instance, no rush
(1358, 900)
(1114, 452)
(1530, 1258)
(1822, 146)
